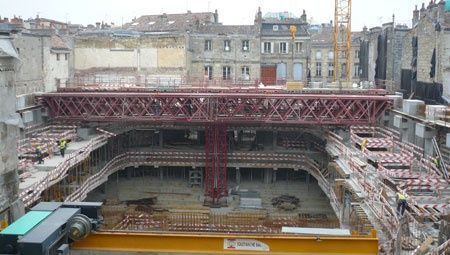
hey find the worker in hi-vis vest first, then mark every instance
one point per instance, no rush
(364, 144)
(401, 202)
(39, 154)
(62, 146)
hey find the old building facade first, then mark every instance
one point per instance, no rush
(226, 53)
(381, 51)
(425, 55)
(283, 57)
(322, 56)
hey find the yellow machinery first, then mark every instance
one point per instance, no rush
(342, 40)
(209, 243)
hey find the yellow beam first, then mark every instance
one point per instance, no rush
(227, 244)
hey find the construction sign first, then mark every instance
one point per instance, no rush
(244, 245)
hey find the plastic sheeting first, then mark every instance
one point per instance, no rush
(7, 49)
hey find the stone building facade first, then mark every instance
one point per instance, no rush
(283, 58)
(425, 55)
(225, 53)
(381, 53)
(322, 55)
(151, 49)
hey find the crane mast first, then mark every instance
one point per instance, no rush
(342, 40)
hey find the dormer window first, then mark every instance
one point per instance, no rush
(275, 27)
(226, 45)
(245, 45)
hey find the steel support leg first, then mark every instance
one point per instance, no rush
(216, 188)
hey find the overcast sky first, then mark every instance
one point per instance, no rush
(231, 12)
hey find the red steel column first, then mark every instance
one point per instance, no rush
(216, 151)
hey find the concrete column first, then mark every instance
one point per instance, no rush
(268, 176)
(161, 140)
(274, 139)
(161, 173)
(307, 181)
(428, 147)
(424, 135)
(130, 172)
(274, 175)
(238, 175)
(411, 131)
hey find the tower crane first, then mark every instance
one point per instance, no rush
(342, 40)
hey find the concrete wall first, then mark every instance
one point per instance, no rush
(150, 54)
(445, 68)
(373, 52)
(397, 52)
(236, 58)
(29, 72)
(9, 132)
(427, 41)
(55, 69)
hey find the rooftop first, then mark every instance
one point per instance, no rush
(171, 22)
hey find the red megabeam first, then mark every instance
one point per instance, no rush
(234, 107)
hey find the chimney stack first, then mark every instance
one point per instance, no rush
(415, 19)
(433, 10)
(258, 16)
(303, 18)
(216, 16)
(440, 15)
(422, 11)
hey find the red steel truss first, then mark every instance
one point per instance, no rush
(216, 146)
(204, 107)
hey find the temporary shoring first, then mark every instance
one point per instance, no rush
(215, 110)
(230, 108)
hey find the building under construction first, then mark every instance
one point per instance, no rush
(184, 135)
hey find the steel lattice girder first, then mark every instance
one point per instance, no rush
(217, 107)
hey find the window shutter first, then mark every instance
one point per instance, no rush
(262, 47)
(287, 47)
(272, 48)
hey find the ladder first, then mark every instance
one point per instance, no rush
(442, 165)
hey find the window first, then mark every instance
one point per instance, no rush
(356, 53)
(57, 56)
(275, 27)
(283, 48)
(208, 45)
(343, 70)
(18, 50)
(57, 82)
(245, 45)
(318, 69)
(66, 56)
(267, 47)
(330, 69)
(318, 55)
(331, 55)
(245, 73)
(356, 70)
(298, 47)
(226, 45)
(208, 72)
(226, 73)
